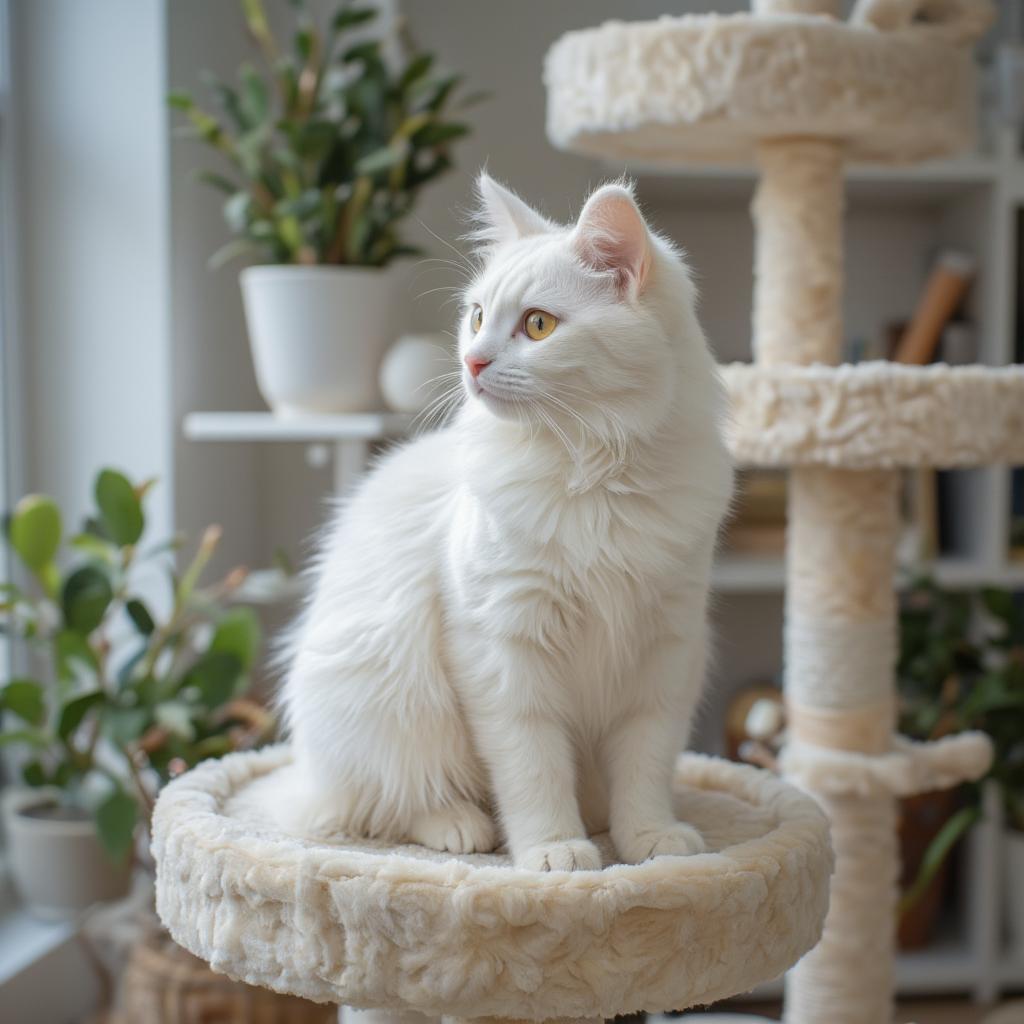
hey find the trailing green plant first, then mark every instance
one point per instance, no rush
(961, 666)
(326, 146)
(122, 697)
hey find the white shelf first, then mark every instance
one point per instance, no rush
(920, 184)
(265, 426)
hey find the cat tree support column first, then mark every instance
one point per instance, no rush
(840, 608)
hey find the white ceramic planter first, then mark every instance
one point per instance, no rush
(318, 334)
(58, 866)
(1013, 887)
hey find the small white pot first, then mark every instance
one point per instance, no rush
(318, 334)
(58, 866)
(1013, 887)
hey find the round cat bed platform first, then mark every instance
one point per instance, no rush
(877, 415)
(372, 925)
(708, 87)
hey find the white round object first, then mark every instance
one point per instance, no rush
(408, 375)
(318, 334)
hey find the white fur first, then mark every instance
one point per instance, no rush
(509, 614)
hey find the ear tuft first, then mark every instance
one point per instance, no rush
(611, 236)
(502, 216)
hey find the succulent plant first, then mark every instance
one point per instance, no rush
(325, 147)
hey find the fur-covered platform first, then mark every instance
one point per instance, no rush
(710, 86)
(876, 415)
(371, 925)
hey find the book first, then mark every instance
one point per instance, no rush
(943, 293)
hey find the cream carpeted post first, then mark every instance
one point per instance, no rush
(840, 607)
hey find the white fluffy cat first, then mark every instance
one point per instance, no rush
(507, 633)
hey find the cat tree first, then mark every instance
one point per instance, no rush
(406, 929)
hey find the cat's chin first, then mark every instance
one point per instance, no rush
(503, 408)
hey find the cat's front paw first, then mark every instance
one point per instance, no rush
(565, 855)
(461, 828)
(676, 840)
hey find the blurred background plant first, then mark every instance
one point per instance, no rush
(326, 147)
(961, 666)
(122, 698)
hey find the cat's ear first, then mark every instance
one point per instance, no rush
(611, 236)
(502, 216)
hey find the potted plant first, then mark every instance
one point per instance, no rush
(324, 151)
(119, 697)
(961, 667)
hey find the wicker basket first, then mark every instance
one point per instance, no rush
(163, 984)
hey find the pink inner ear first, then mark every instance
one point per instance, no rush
(612, 236)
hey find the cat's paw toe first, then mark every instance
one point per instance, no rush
(565, 855)
(677, 840)
(461, 828)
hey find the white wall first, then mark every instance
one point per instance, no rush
(93, 242)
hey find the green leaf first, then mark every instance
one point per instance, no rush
(435, 134)
(34, 774)
(226, 253)
(237, 634)
(94, 547)
(87, 595)
(254, 102)
(937, 852)
(351, 17)
(215, 676)
(35, 531)
(73, 655)
(416, 69)
(120, 507)
(432, 93)
(238, 211)
(74, 712)
(139, 614)
(27, 736)
(217, 181)
(179, 100)
(381, 160)
(125, 725)
(24, 698)
(115, 824)
(367, 53)
(176, 717)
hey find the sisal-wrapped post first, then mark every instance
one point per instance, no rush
(798, 251)
(840, 606)
(840, 645)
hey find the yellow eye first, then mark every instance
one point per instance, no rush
(539, 325)
(476, 319)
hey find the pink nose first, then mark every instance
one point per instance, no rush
(476, 365)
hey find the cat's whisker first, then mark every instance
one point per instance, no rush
(430, 416)
(463, 258)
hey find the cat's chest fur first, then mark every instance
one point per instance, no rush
(586, 577)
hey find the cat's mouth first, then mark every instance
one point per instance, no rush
(495, 397)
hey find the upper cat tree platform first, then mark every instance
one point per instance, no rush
(710, 87)
(372, 925)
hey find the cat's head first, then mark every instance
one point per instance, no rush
(576, 327)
